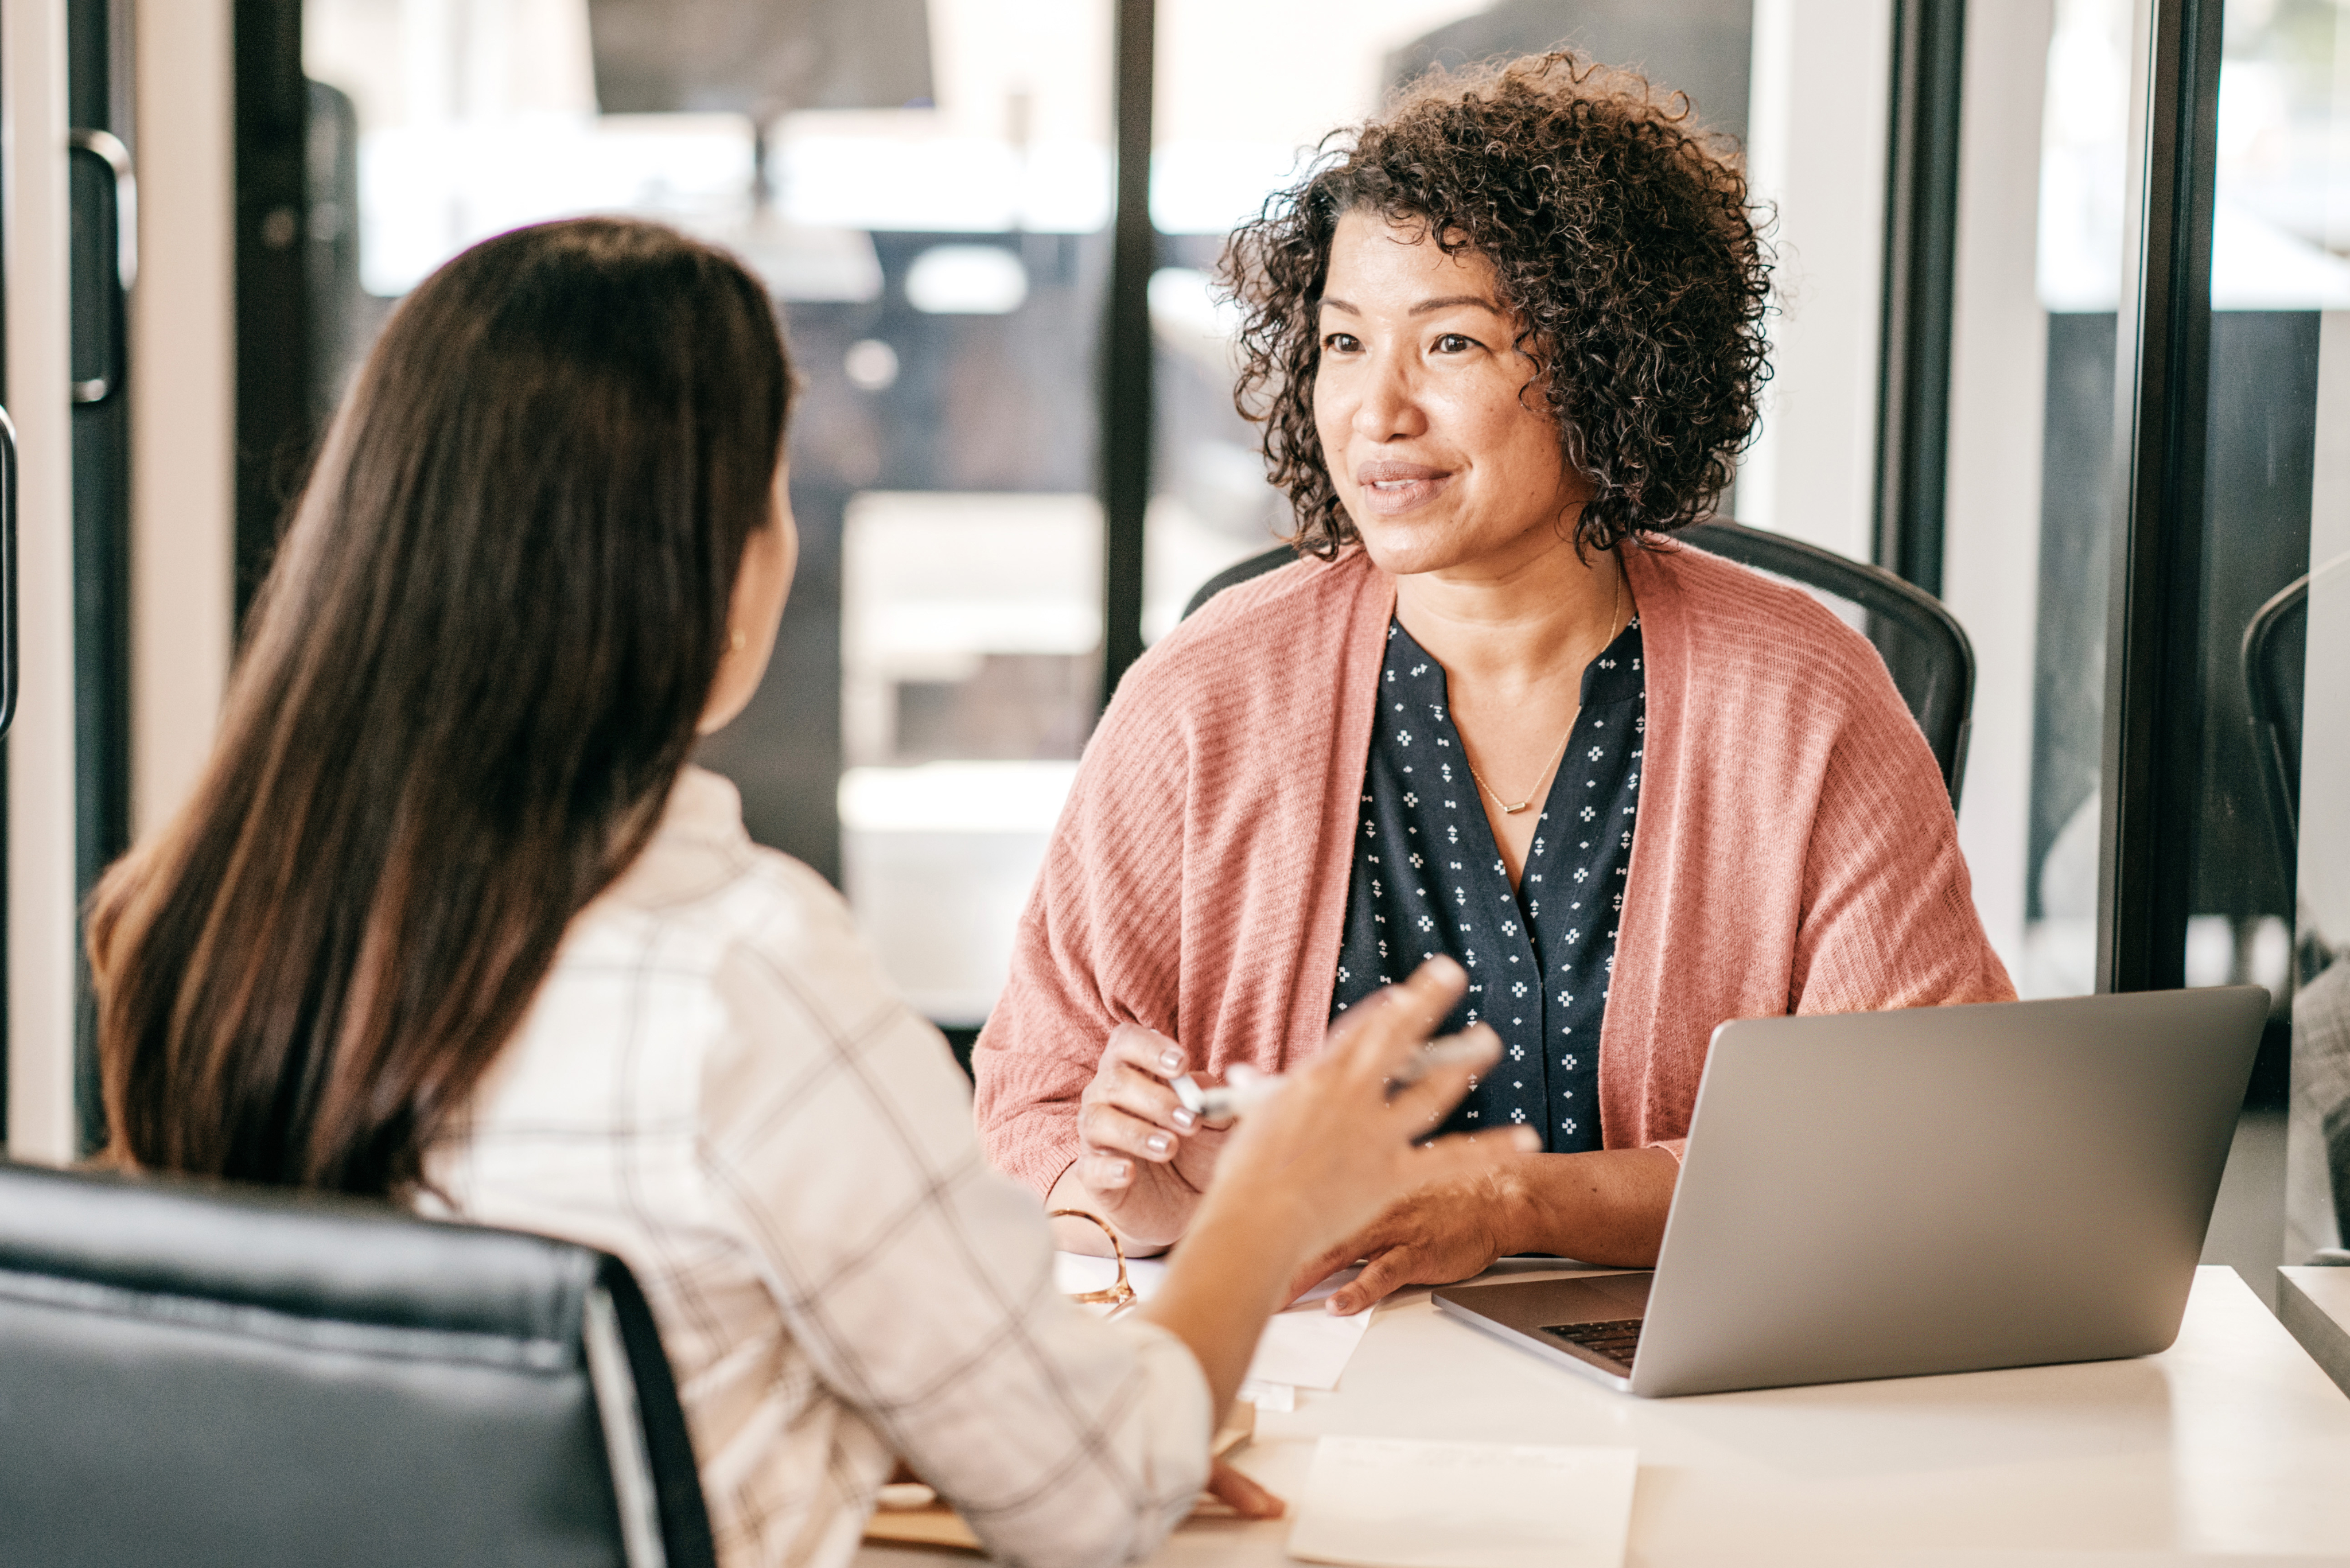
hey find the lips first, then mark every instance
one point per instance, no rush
(1389, 487)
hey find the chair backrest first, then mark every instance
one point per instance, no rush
(198, 1373)
(2276, 644)
(1932, 663)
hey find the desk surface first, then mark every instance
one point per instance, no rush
(2232, 1442)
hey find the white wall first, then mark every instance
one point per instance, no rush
(1816, 149)
(183, 399)
(40, 777)
(1990, 560)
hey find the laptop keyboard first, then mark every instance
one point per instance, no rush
(1614, 1340)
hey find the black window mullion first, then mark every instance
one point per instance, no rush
(2154, 656)
(1126, 411)
(1921, 224)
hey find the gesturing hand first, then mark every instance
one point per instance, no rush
(1337, 1136)
(1142, 1159)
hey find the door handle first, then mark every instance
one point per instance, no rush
(104, 151)
(7, 571)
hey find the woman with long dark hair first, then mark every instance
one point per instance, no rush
(449, 919)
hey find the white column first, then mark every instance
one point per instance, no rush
(1822, 76)
(42, 926)
(1998, 354)
(182, 399)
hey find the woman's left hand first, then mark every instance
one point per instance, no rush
(1606, 1208)
(1435, 1236)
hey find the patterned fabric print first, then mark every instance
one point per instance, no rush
(1429, 879)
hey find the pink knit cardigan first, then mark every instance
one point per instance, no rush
(1794, 851)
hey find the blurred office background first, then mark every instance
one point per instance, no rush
(1016, 456)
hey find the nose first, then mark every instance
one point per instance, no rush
(1387, 407)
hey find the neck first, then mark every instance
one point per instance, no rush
(1516, 621)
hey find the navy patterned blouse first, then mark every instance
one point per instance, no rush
(1427, 879)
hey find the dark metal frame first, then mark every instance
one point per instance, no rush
(103, 219)
(275, 352)
(1921, 227)
(2154, 690)
(1127, 350)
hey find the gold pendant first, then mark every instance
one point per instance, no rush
(1514, 810)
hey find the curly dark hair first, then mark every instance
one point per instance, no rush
(1622, 234)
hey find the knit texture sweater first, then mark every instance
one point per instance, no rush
(1795, 850)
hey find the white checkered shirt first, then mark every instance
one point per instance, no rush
(717, 1084)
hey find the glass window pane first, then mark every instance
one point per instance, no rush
(2268, 910)
(925, 186)
(2031, 475)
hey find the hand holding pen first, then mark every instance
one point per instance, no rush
(1146, 1152)
(1244, 1087)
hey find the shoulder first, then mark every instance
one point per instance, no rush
(705, 908)
(1249, 635)
(1735, 630)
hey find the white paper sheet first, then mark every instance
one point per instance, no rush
(1268, 1396)
(1392, 1502)
(1304, 1348)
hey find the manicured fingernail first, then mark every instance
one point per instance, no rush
(1342, 1305)
(1184, 1119)
(1158, 1143)
(1171, 1059)
(1120, 1172)
(1528, 1140)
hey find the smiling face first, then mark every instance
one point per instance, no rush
(1436, 457)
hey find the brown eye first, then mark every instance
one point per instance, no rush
(1340, 343)
(1454, 343)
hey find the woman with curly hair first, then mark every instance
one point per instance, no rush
(1503, 344)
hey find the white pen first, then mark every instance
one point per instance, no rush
(1248, 1086)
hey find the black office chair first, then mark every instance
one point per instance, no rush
(2275, 652)
(197, 1373)
(1933, 664)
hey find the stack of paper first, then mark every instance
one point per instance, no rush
(1387, 1502)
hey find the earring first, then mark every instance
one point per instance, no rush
(736, 641)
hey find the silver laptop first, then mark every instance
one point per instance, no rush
(1940, 1189)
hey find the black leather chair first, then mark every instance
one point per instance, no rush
(200, 1375)
(1924, 646)
(2275, 644)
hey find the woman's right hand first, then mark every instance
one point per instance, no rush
(1320, 1157)
(1337, 1140)
(1143, 1161)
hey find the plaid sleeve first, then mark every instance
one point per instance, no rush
(918, 1281)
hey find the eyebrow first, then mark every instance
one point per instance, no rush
(1425, 306)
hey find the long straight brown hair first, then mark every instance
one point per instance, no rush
(468, 685)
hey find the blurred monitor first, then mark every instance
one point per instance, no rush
(759, 58)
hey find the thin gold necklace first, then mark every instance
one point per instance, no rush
(1614, 607)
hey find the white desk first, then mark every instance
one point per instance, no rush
(2232, 1442)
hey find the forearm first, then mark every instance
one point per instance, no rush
(1228, 1275)
(1607, 1206)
